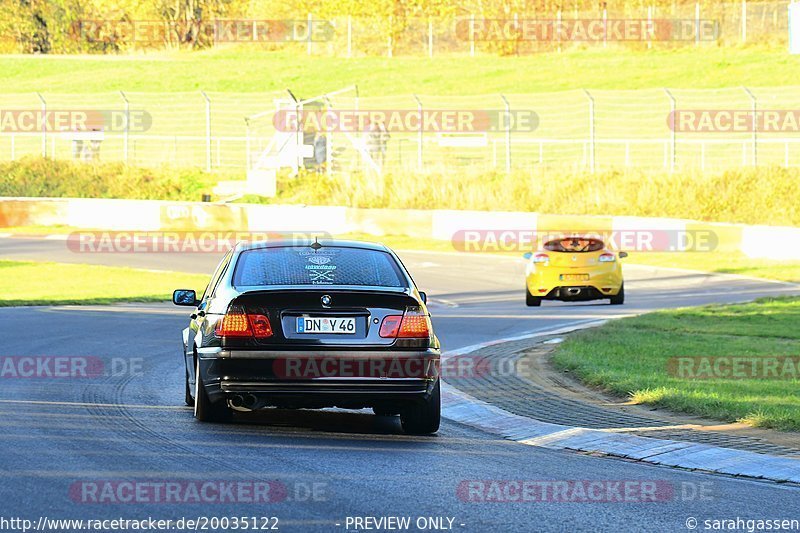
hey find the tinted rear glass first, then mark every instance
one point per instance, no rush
(574, 245)
(326, 266)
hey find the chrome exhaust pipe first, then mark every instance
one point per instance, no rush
(249, 401)
(237, 401)
(573, 291)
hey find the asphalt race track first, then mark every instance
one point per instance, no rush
(60, 435)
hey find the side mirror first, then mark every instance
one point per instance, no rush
(424, 297)
(527, 255)
(185, 297)
(623, 255)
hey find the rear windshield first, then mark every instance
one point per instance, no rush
(574, 245)
(326, 266)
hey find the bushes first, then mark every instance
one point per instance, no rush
(46, 177)
(764, 195)
(751, 196)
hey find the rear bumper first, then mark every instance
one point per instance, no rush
(578, 293)
(594, 288)
(328, 378)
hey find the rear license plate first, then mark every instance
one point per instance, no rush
(314, 324)
(574, 277)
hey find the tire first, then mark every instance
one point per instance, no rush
(531, 300)
(619, 299)
(188, 399)
(424, 419)
(204, 410)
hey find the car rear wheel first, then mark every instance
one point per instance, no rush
(531, 300)
(204, 410)
(424, 419)
(619, 299)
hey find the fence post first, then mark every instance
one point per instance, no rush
(591, 130)
(391, 24)
(697, 23)
(421, 122)
(673, 134)
(299, 138)
(208, 131)
(247, 146)
(349, 35)
(328, 142)
(430, 37)
(310, 31)
(744, 21)
(558, 25)
(44, 124)
(605, 27)
(126, 134)
(755, 125)
(508, 133)
(472, 34)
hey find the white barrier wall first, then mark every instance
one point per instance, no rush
(766, 242)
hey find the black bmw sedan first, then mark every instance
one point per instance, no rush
(309, 326)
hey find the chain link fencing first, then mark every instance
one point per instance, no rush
(582, 130)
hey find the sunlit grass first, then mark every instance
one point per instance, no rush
(630, 357)
(250, 69)
(35, 283)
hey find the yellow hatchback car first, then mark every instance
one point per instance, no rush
(573, 269)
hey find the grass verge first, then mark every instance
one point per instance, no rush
(248, 69)
(631, 357)
(38, 283)
(722, 263)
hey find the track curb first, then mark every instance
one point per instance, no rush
(460, 407)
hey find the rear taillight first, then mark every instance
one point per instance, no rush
(414, 324)
(390, 326)
(237, 323)
(541, 258)
(607, 258)
(261, 326)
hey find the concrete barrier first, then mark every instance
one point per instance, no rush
(766, 242)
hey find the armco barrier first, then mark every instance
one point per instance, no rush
(768, 242)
